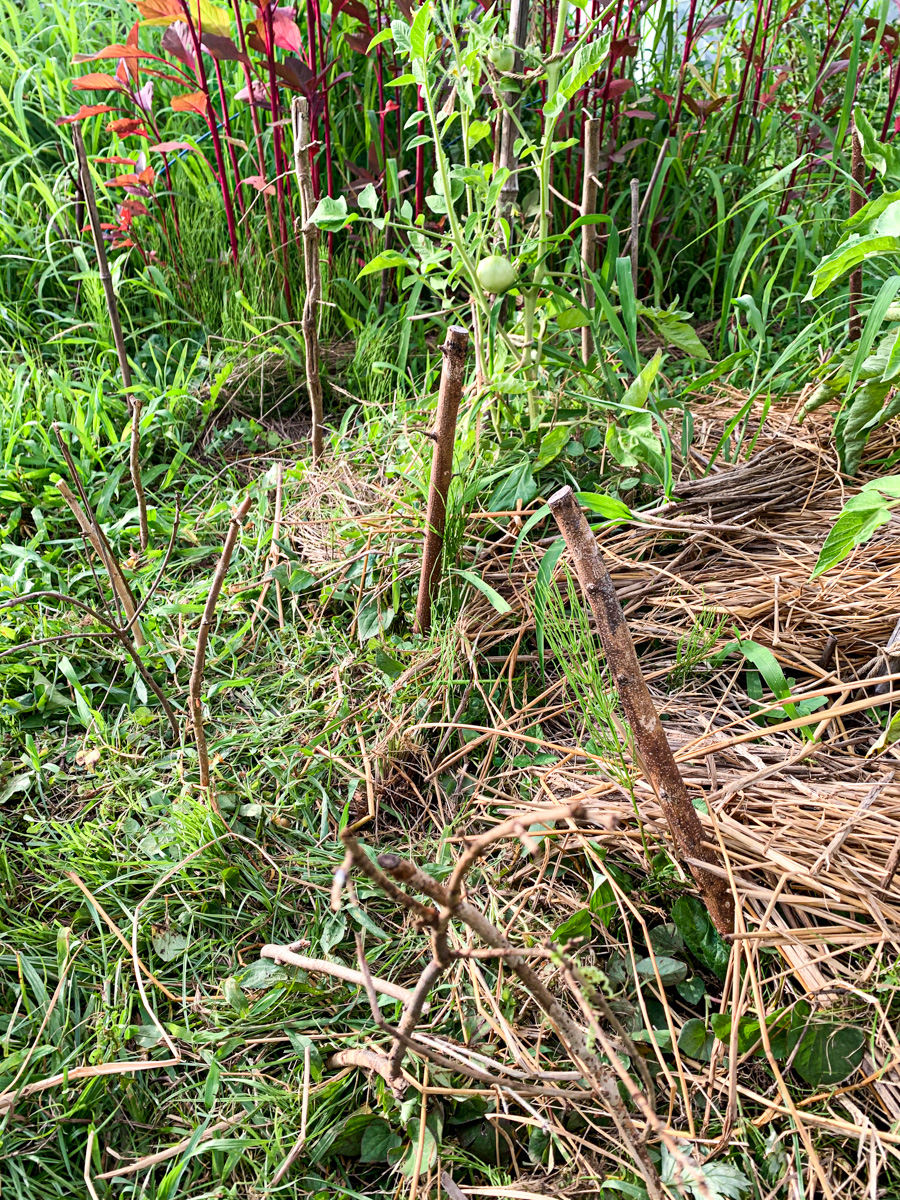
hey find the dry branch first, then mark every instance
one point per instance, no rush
(112, 304)
(649, 735)
(196, 681)
(454, 351)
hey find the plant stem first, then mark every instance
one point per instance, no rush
(310, 322)
(112, 305)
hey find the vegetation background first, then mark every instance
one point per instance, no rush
(645, 215)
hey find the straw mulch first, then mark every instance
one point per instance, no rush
(808, 826)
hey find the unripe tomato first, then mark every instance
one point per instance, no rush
(496, 274)
(503, 57)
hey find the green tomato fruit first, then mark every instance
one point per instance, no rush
(503, 58)
(496, 274)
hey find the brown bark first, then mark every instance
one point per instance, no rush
(649, 735)
(857, 200)
(310, 320)
(454, 350)
(589, 232)
(112, 305)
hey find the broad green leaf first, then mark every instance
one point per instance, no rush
(368, 198)
(383, 262)
(848, 256)
(518, 485)
(572, 318)
(828, 1053)
(696, 1041)
(881, 157)
(665, 939)
(419, 30)
(552, 445)
(169, 944)
(671, 970)
(576, 926)
(344, 1138)
(681, 335)
(606, 506)
(477, 132)
(636, 396)
(301, 1044)
(692, 990)
(331, 214)
(377, 1140)
(873, 210)
(495, 598)
(888, 486)
(862, 413)
(700, 935)
(856, 524)
(386, 35)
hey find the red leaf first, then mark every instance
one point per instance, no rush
(118, 161)
(86, 110)
(618, 87)
(127, 127)
(358, 42)
(222, 49)
(147, 176)
(191, 102)
(160, 11)
(284, 28)
(97, 83)
(624, 47)
(123, 181)
(640, 114)
(353, 8)
(168, 147)
(261, 185)
(177, 41)
(135, 207)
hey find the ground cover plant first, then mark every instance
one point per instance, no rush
(346, 847)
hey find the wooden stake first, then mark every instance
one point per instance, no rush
(649, 736)
(518, 35)
(589, 232)
(454, 351)
(195, 686)
(857, 200)
(310, 321)
(112, 305)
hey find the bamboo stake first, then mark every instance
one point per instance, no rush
(454, 351)
(857, 200)
(589, 232)
(196, 681)
(112, 305)
(310, 320)
(649, 736)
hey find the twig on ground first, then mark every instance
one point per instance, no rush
(310, 231)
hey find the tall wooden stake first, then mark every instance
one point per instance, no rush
(310, 321)
(454, 351)
(518, 35)
(134, 404)
(649, 735)
(857, 200)
(589, 232)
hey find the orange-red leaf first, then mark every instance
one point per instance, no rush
(123, 181)
(257, 181)
(191, 102)
(86, 110)
(128, 127)
(114, 51)
(96, 83)
(147, 175)
(118, 161)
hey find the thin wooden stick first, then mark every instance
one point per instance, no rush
(112, 304)
(635, 230)
(196, 682)
(589, 232)
(454, 351)
(649, 735)
(95, 536)
(310, 321)
(857, 200)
